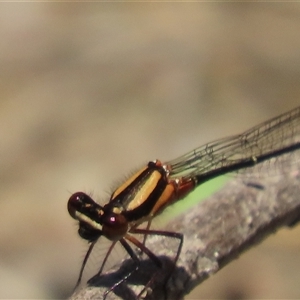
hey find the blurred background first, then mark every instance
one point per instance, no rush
(91, 91)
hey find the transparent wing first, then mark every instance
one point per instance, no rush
(276, 134)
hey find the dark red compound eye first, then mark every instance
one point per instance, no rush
(74, 203)
(79, 202)
(115, 226)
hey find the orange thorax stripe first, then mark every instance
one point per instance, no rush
(144, 194)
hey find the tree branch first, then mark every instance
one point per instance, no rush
(215, 232)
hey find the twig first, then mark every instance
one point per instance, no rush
(215, 232)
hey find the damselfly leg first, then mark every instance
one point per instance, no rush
(136, 259)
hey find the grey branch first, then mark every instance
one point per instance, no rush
(215, 232)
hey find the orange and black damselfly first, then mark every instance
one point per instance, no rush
(158, 185)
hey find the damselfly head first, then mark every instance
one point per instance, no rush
(83, 208)
(81, 204)
(95, 220)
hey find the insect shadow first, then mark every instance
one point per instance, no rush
(146, 279)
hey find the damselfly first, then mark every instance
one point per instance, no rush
(157, 185)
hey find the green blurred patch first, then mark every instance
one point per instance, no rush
(195, 197)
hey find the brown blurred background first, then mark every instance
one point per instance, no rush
(91, 91)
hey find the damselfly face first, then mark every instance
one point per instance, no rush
(95, 220)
